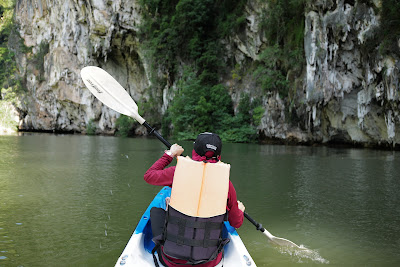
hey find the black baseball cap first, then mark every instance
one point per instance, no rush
(208, 142)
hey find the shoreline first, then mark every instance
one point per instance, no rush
(260, 141)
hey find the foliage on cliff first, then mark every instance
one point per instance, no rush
(389, 33)
(283, 24)
(386, 35)
(7, 67)
(199, 108)
(7, 61)
(189, 32)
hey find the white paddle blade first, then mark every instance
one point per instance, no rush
(106, 89)
(280, 241)
(284, 242)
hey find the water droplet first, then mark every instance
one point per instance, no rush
(109, 217)
(105, 231)
(111, 192)
(18, 223)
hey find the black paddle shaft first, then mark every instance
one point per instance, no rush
(256, 224)
(157, 134)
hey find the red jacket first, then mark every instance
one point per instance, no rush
(157, 175)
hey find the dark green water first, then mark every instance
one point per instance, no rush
(75, 200)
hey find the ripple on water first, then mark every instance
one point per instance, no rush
(303, 254)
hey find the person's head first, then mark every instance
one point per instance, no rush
(208, 145)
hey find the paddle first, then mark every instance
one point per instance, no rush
(277, 240)
(105, 88)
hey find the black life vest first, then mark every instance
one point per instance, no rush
(196, 240)
(195, 216)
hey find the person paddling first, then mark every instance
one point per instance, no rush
(187, 240)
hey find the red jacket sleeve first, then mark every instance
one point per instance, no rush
(157, 175)
(235, 215)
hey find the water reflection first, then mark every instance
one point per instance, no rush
(76, 200)
(345, 196)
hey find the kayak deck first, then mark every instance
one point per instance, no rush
(138, 250)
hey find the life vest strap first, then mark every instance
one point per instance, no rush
(192, 224)
(185, 223)
(206, 243)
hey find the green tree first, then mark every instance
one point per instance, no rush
(269, 72)
(91, 127)
(7, 61)
(283, 26)
(199, 108)
(390, 27)
(10, 45)
(188, 32)
(124, 125)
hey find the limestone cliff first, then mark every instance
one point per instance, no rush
(351, 94)
(345, 94)
(78, 33)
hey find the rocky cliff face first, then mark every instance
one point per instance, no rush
(344, 95)
(78, 33)
(351, 94)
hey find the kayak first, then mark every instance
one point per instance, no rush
(138, 250)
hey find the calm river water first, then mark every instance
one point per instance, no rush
(71, 200)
